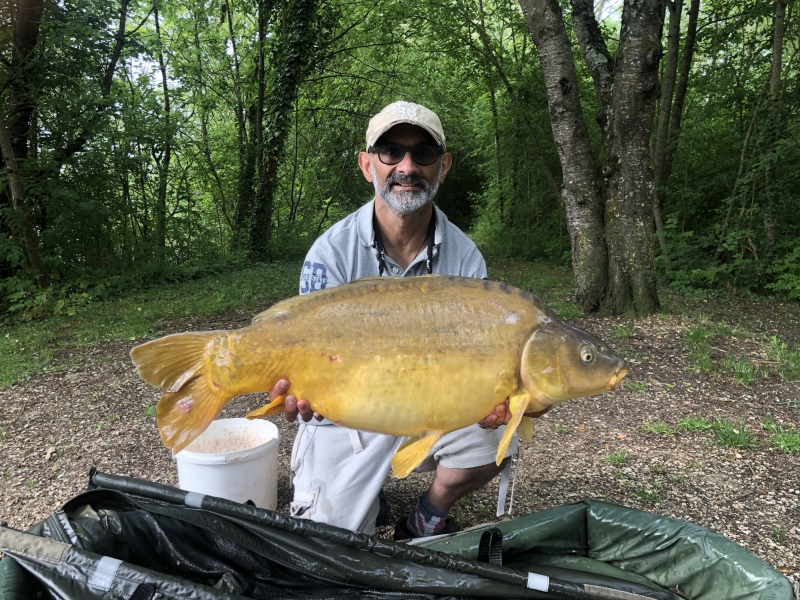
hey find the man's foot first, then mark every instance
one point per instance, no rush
(384, 516)
(402, 531)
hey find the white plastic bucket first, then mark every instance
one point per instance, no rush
(236, 459)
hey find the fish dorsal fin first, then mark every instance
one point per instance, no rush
(279, 309)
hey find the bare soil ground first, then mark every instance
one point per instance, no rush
(53, 428)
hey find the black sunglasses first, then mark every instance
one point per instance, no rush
(393, 154)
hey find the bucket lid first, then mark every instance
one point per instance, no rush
(231, 440)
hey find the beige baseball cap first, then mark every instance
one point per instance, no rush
(405, 112)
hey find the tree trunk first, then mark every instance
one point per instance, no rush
(662, 130)
(246, 167)
(16, 123)
(773, 125)
(166, 155)
(627, 189)
(21, 101)
(584, 213)
(676, 116)
(289, 73)
(29, 238)
(742, 158)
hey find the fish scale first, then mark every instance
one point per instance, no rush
(415, 356)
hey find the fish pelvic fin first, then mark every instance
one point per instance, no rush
(185, 414)
(525, 429)
(272, 408)
(411, 454)
(169, 362)
(517, 403)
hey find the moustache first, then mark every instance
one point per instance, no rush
(408, 180)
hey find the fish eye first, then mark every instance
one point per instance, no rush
(587, 354)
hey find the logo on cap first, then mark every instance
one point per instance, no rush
(406, 110)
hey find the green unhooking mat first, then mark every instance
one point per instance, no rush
(137, 540)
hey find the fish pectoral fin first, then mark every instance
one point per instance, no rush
(411, 454)
(517, 403)
(525, 429)
(185, 414)
(271, 408)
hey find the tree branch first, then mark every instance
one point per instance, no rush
(594, 49)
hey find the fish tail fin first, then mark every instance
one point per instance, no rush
(517, 404)
(525, 429)
(272, 408)
(169, 362)
(185, 414)
(177, 365)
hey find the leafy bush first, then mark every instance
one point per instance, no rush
(21, 299)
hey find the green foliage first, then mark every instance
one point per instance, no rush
(788, 360)
(35, 346)
(785, 439)
(616, 458)
(646, 496)
(625, 331)
(695, 423)
(561, 428)
(744, 371)
(699, 352)
(786, 271)
(733, 434)
(328, 67)
(660, 428)
(636, 386)
(779, 533)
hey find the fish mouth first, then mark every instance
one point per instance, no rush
(618, 377)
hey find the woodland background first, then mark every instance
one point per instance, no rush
(150, 141)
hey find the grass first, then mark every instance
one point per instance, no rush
(551, 283)
(624, 331)
(150, 411)
(733, 434)
(785, 439)
(35, 347)
(660, 428)
(698, 340)
(636, 386)
(788, 361)
(694, 424)
(742, 369)
(616, 458)
(562, 429)
(779, 533)
(646, 495)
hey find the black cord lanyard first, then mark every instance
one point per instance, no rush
(378, 243)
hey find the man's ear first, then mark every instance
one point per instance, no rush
(447, 162)
(365, 164)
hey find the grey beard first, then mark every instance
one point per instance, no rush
(404, 203)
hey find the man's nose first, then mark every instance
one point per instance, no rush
(407, 165)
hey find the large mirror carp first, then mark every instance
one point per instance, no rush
(412, 356)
